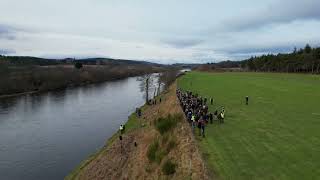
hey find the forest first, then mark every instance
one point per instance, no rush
(304, 60)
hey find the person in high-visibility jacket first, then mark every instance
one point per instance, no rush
(193, 118)
(193, 122)
(121, 128)
(222, 114)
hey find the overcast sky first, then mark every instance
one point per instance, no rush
(165, 31)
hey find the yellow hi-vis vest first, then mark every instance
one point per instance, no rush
(222, 114)
(121, 128)
(192, 118)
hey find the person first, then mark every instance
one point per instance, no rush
(211, 118)
(199, 126)
(203, 124)
(205, 117)
(193, 122)
(205, 109)
(215, 113)
(211, 101)
(193, 117)
(160, 99)
(247, 100)
(121, 129)
(222, 114)
(189, 116)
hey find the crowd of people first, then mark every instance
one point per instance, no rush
(196, 110)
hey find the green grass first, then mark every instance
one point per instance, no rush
(276, 137)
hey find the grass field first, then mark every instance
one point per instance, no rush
(276, 137)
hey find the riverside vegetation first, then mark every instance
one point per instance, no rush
(28, 74)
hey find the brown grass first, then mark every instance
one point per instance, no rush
(133, 162)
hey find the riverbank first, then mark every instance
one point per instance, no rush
(18, 94)
(17, 81)
(121, 160)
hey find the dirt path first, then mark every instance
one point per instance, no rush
(129, 162)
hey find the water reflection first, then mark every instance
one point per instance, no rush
(44, 136)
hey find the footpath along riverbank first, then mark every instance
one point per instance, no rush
(145, 152)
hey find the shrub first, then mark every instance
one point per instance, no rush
(160, 155)
(78, 65)
(154, 153)
(165, 139)
(152, 150)
(172, 143)
(168, 167)
(163, 125)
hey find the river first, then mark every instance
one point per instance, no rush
(45, 136)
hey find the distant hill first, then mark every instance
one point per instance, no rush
(26, 60)
(185, 65)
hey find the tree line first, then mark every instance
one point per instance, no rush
(306, 60)
(31, 61)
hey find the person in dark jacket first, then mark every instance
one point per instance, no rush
(202, 124)
(211, 117)
(211, 101)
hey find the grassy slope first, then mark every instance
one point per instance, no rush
(276, 137)
(131, 124)
(134, 163)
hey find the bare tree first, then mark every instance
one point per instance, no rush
(146, 84)
(159, 84)
(168, 77)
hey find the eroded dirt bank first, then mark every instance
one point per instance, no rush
(131, 162)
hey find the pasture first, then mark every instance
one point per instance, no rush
(277, 136)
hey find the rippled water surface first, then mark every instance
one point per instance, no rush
(44, 136)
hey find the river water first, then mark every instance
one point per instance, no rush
(45, 136)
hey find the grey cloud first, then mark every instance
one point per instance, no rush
(7, 51)
(282, 12)
(265, 50)
(7, 32)
(183, 43)
(246, 52)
